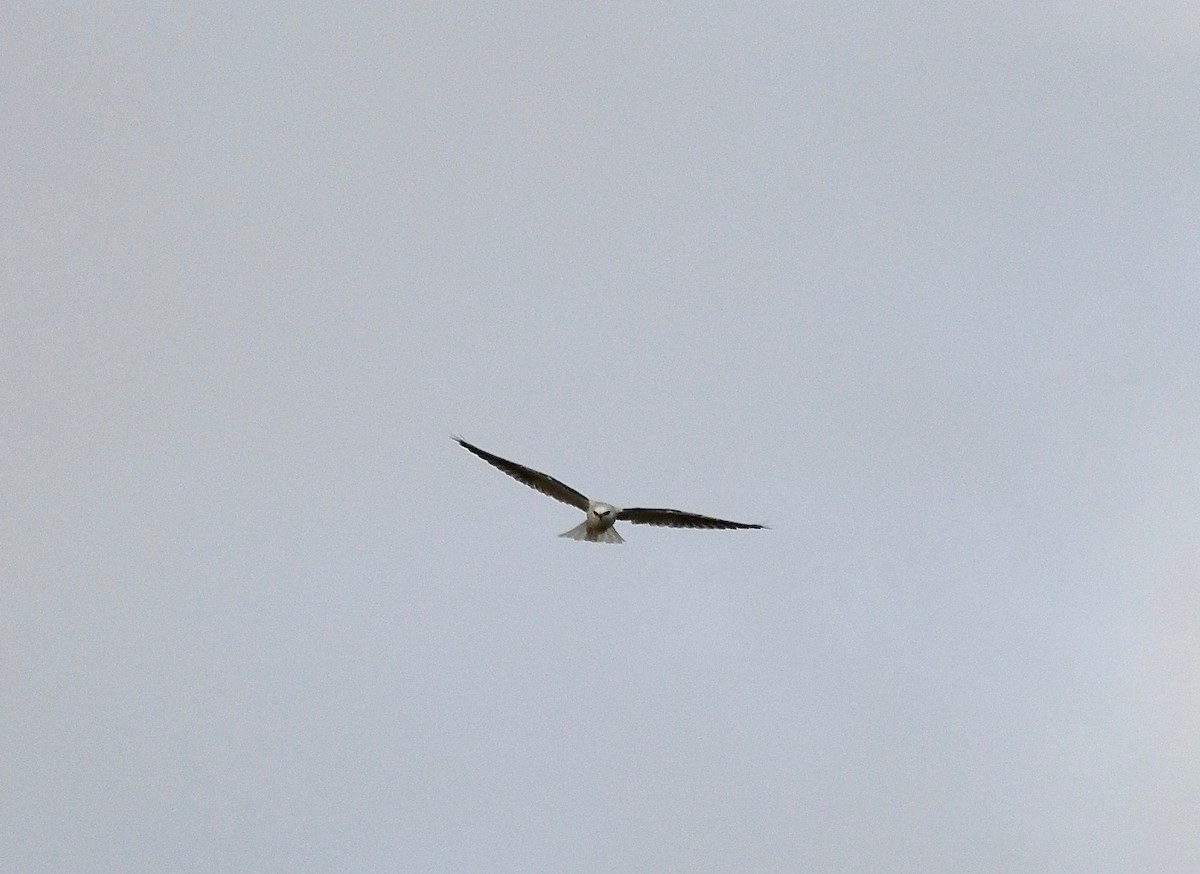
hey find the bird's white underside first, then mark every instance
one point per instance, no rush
(598, 526)
(593, 535)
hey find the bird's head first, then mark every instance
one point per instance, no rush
(605, 514)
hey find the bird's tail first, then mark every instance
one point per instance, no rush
(582, 532)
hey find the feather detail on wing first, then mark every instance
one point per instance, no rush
(677, 519)
(542, 482)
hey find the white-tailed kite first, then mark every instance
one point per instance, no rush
(598, 526)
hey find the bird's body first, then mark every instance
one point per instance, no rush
(597, 526)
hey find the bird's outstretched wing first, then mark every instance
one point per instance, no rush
(677, 519)
(544, 483)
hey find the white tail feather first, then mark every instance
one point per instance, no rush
(579, 532)
(608, 535)
(582, 532)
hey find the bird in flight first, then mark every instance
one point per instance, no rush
(598, 526)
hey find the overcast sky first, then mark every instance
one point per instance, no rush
(917, 285)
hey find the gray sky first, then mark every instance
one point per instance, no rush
(918, 287)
